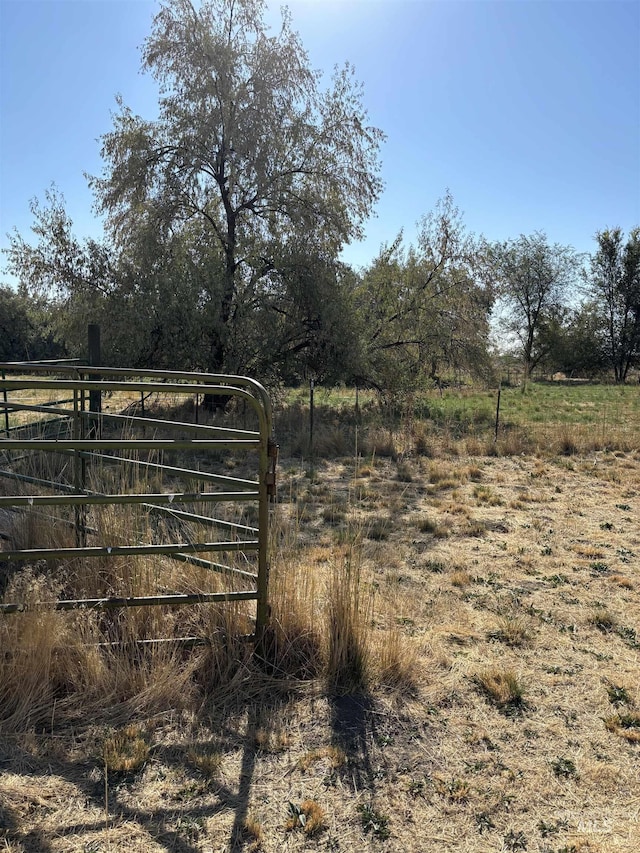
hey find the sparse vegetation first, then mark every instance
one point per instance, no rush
(501, 687)
(407, 679)
(125, 751)
(308, 817)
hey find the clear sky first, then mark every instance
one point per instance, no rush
(528, 111)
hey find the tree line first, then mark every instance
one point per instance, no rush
(224, 222)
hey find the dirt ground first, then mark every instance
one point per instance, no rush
(513, 585)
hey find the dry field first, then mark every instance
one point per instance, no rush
(495, 706)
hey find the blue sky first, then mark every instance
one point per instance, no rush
(528, 111)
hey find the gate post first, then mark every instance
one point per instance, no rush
(95, 397)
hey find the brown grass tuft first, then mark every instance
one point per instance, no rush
(501, 687)
(125, 750)
(625, 725)
(308, 816)
(347, 629)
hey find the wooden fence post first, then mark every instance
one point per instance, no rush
(95, 397)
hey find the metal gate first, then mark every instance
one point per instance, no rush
(62, 412)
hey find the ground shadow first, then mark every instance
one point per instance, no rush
(175, 826)
(354, 730)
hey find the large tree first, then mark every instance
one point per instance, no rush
(249, 144)
(614, 280)
(532, 279)
(424, 309)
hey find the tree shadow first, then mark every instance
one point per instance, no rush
(176, 826)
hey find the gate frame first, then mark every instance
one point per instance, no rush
(82, 379)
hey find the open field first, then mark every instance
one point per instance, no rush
(492, 699)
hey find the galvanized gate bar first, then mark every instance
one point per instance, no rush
(219, 568)
(189, 473)
(30, 554)
(177, 425)
(62, 444)
(204, 519)
(142, 601)
(81, 380)
(155, 499)
(131, 420)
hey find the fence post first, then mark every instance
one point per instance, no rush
(497, 413)
(311, 420)
(79, 467)
(95, 397)
(6, 410)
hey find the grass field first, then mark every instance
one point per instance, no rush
(455, 666)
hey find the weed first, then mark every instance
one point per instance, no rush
(552, 828)
(455, 790)
(557, 580)
(628, 635)
(618, 695)
(405, 475)
(622, 581)
(374, 822)
(485, 495)
(125, 750)
(308, 816)
(512, 630)
(334, 754)
(484, 822)
(189, 827)
(422, 443)
(252, 833)
(564, 768)
(271, 742)
(427, 525)
(473, 527)
(378, 528)
(626, 725)
(602, 619)
(207, 761)
(515, 840)
(333, 514)
(416, 788)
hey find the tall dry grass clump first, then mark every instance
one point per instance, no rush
(348, 628)
(57, 666)
(51, 666)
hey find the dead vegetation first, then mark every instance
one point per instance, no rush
(452, 664)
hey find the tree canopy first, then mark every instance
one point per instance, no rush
(249, 144)
(532, 278)
(614, 280)
(224, 220)
(425, 308)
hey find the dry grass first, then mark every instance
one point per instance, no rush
(502, 687)
(415, 692)
(125, 751)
